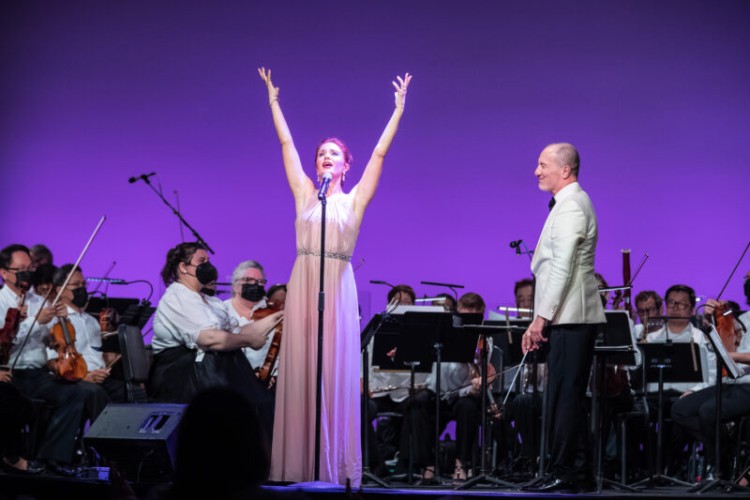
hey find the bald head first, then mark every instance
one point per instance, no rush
(568, 155)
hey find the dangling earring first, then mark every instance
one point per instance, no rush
(343, 177)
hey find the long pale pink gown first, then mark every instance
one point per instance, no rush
(293, 457)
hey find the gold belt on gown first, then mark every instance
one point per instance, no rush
(327, 255)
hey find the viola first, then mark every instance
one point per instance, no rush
(264, 373)
(13, 318)
(70, 363)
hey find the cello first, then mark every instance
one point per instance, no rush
(264, 372)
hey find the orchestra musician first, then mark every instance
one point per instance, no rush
(248, 296)
(102, 388)
(463, 382)
(28, 360)
(696, 411)
(680, 303)
(196, 342)
(648, 304)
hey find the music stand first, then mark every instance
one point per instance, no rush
(485, 476)
(436, 330)
(515, 330)
(120, 305)
(674, 363)
(368, 334)
(723, 359)
(616, 344)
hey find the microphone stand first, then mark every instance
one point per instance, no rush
(321, 307)
(179, 216)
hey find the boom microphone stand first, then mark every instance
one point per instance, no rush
(174, 210)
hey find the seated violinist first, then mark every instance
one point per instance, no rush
(696, 412)
(249, 296)
(27, 360)
(197, 343)
(102, 387)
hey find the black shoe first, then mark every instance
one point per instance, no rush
(552, 484)
(32, 468)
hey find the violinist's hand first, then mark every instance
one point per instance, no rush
(47, 314)
(97, 376)
(24, 312)
(260, 330)
(711, 305)
(392, 353)
(273, 92)
(400, 85)
(533, 336)
(6, 376)
(476, 385)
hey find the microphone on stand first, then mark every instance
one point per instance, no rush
(380, 282)
(111, 281)
(324, 183)
(141, 177)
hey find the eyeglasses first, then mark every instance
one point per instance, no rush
(252, 281)
(17, 269)
(679, 306)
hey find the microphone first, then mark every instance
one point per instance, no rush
(380, 282)
(324, 185)
(113, 281)
(514, 244)
(142, 176)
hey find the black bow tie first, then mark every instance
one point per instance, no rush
(552, 203)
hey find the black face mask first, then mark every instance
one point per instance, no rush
(206, 273)
(252, 292)
(80, 297)
(208, 291)
(24, 279)
(747, 290)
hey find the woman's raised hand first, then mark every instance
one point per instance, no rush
(400, 85)
(273, 92)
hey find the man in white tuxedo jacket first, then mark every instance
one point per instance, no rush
(567, 314)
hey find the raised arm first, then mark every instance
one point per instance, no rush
(371, 176)
(300, 184)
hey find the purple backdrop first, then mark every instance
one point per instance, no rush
(654, 94)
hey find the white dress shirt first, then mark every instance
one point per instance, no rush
(183, 313)
(88, 341)
(255, 357)
(34, 353)
(708, 358)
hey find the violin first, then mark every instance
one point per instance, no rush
(264, 373)
(13, 318)
(482, 348)
(70, 364)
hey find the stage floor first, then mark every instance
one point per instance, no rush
(48, 486)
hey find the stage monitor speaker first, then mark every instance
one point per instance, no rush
(139, 438)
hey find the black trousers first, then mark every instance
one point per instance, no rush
(67, 401)
(16, 411)
(419, 421)
(697, 414)
(571, 351)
